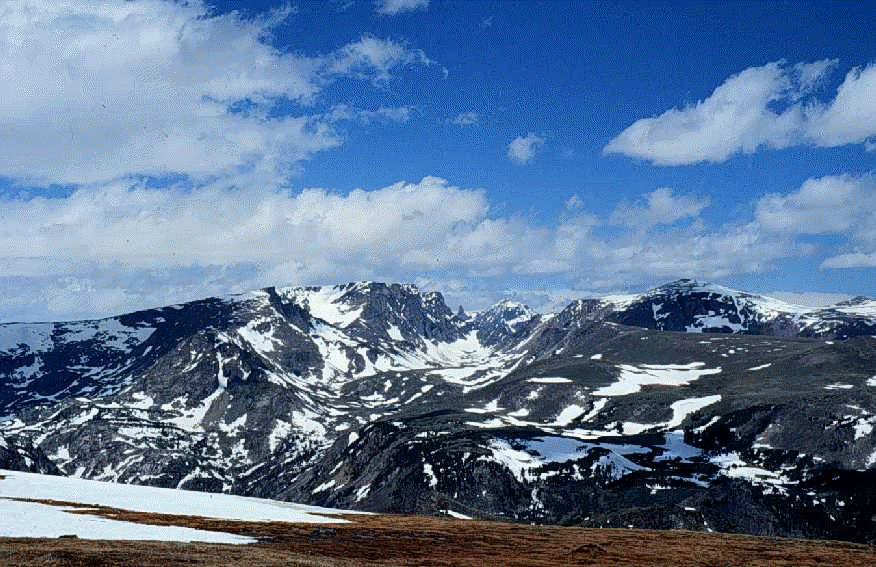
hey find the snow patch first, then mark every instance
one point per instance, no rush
(430, 475)
(550, 380)
(456, 515)
(632, 378)
(29, 519)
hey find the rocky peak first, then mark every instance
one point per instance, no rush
(375, 309)
(504, 323)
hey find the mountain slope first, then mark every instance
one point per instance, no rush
(759, 418)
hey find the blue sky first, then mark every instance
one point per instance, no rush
(155, 151)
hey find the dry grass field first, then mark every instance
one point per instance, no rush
(389, 540)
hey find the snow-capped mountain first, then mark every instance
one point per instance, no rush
(378, 397)
(687, 305)
(505, 324)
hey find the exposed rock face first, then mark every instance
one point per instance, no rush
(758, 419)
(20, 455)
(505, 324)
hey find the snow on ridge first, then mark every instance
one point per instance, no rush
(36, 337)
(618, 300)
(683, 408)
(633, 378)
(322, 302)
(680, 410)
(549, 380)
(702, 322)
(456, 515)
(733, 466)
(534, 454)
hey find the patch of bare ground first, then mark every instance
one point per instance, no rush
(391, 540)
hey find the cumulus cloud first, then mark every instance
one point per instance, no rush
(660, 206)
(110, 88)
(393, 7)
(466, 119)
(835, 204)
(522, 149)
(772, 106)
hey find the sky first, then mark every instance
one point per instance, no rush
(158, 151)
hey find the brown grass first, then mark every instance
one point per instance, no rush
(391, 540)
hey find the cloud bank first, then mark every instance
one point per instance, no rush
(116, 246)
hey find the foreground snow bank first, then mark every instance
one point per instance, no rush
(31, 519)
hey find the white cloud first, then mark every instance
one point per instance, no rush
(659, 207)
(373, 59)
(772, 106)
(839, 205)
(393, 7)
(343, 112)
(466, 119)
(168, 228)
(395, 113)
(127, 246)
(574, 203)
(851, 117)
(851, 260)
(98, 90)
(522, 149)
(834, 204)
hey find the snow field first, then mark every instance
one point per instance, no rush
(31, 519)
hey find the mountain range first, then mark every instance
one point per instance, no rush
(690, 406)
